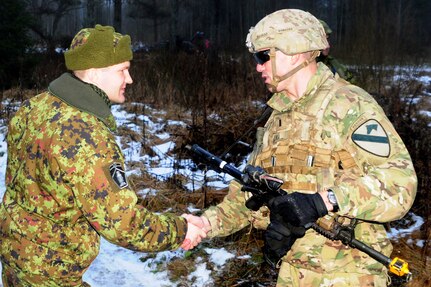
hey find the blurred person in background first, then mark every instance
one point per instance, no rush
(333, 64)
(66, 181)
(337, 153)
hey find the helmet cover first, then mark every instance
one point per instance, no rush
(291, 31)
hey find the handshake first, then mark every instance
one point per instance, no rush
(197, 229)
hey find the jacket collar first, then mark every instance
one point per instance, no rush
(83, 96)
(280, 102)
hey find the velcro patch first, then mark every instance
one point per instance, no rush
(118, 175)
(372, 137)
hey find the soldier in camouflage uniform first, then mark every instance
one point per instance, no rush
(66, 184)
(335, 150)
(333, 64)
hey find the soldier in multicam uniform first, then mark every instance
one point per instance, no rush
(333, 64)
(66, 184)
(335, 150)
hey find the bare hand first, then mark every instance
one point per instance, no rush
(195, 231)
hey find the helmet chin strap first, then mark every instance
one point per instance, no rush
(276, 79)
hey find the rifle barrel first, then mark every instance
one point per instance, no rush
(216, 162)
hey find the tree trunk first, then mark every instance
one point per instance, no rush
(155, 23)
(118, 7)
(90, 16)
(173, 23)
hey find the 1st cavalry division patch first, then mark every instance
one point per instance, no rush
(371, 137)
(118, 175)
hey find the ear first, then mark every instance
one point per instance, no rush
(92, 75)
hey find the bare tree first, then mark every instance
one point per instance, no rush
(153, 10)
(118, 9)
(91, 12)
(173, 24)
(54, 11)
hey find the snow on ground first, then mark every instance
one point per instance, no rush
(117, 266)
(414, 223)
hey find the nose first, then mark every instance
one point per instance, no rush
(128, 78)
(260, 68)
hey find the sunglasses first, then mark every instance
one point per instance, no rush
(261, 57)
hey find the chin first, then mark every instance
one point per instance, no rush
(120, 99)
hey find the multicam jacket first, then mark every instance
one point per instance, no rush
(335, 136)
(66, 187)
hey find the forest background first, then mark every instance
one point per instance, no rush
(190, 58)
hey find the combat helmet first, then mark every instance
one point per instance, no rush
(291, 31)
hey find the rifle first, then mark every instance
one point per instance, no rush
(262, 186)
(268, 187)
(335, 229)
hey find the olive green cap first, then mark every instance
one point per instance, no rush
(98, 47)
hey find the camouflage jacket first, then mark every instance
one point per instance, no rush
(66, 186)
(335, 136)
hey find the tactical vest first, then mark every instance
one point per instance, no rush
(295, 146)
(305, 143)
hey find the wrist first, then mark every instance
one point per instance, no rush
(328, 197)
(206, 223)
(332, 199)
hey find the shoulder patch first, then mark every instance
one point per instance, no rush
(372, 137)
(118, 175)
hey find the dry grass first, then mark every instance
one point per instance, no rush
(190, 89)
(244, 272)
(418, 261)
(215, 135)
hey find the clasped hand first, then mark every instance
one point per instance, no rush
(197, 229)
(299, 209)
(290, 216)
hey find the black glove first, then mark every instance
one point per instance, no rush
(279, 238)
(263, 186)
(255, 176)
(298, 209)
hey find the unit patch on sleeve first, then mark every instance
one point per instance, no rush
(372, 137)
(118, 175)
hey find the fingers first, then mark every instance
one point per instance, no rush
(193, 219)
(207, 226)
(194, 236)
(200, 221)
(197, 229)
(186, 245)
